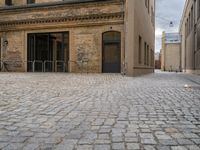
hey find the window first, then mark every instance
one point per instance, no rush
(192, 18)
(48, 51)
(147, 4)
(198, 39)
(140, 50)
(189, 21)
(147, 59)
(198, 8)
(152, 16)
(145, 53)
(195, 13)
(8, 2)
(187, 28)
(0, 50)
(30, 1)
(152, 58)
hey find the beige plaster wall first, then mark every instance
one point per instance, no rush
(146, 31)
(172, 57)
(190, 54)
(138, 23)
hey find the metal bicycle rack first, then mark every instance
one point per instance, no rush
(46, 62)
(63, 66)
(39, 62)
(44, 66)
(31, 64)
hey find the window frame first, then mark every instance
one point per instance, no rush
(147, 57)
(30, 2)
(145, 52)
(8, 2)
(140, 50)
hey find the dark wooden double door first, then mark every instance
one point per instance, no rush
(111, 55)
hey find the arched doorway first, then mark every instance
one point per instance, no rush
(111, 53)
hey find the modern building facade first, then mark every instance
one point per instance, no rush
(95, 36)
(190, 33)
(171, 52)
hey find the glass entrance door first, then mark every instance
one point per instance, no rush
(48, 52)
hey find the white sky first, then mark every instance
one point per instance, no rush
(167, 11)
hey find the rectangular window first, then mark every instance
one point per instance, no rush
(152, 58)
(192, 18)
(195, 13)
(198, 8)
(187, 27)
(145, 53)
(140, 50)
(52, 48)
(30, 1)
(198, 39)
(152, 16)
(8, 2)
(146, 3)
(0, 50)
(189, 22)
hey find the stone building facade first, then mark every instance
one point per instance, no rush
(171, 52)
(190, 33)
(95, 36)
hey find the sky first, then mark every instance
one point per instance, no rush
(167, 11)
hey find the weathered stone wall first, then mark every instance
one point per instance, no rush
(172, 57)
(2, 3)
(64, 15)
(12, 52)
(85, 32)
(44, 1)
(85, 44)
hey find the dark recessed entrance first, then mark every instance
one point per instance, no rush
(48, 52)
(111, 57)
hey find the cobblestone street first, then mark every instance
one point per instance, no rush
(99, 112)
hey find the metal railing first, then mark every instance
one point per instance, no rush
(43, 66)
(59, 64)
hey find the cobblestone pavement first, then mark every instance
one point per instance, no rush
(99, 112)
